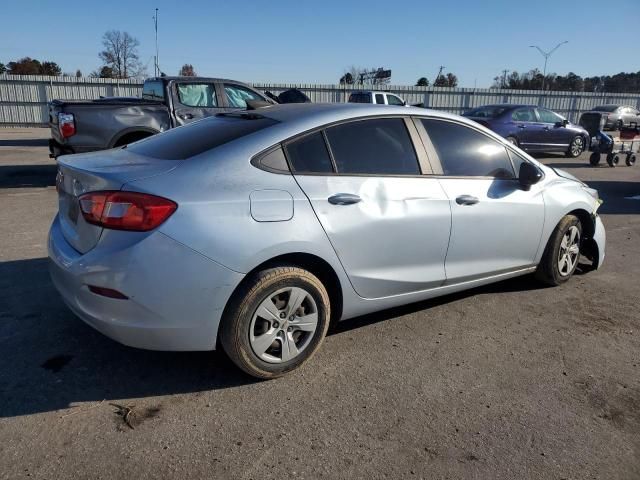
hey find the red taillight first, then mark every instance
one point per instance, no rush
(119, 210)
(66, 124)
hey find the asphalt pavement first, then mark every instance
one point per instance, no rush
(508, 381)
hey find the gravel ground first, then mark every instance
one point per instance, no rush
(508, 381)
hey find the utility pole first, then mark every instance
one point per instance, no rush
(156, 67)
(546, 56)
(504, 77)
(438, 76)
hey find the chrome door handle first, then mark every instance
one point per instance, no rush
(344, 199)
(467, 200)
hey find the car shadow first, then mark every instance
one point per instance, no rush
(27, 176)
(617, 197)
(52, 360)
(24, 142)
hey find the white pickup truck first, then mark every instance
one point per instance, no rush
(378, 98)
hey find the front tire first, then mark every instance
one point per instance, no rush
(561, 255)
(576, 147)
(276, 321)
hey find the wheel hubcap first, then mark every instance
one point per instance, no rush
(569, 251)
(283, 325)
(577, 146)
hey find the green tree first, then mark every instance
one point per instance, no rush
(3, 69)
(422, 82)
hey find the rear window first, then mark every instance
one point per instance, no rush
(606, 108)
(198, 137)
(486, 112)
(153, 90)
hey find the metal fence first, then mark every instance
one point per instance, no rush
(23, 98)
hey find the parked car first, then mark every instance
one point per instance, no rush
(378, 98)
(79, 126)
(532, 128)
(253, 231)
(618, 116)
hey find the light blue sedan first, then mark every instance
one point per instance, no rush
(254, 231)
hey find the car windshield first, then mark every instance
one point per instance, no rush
(606, 108)
(198, 137)
(486, 112)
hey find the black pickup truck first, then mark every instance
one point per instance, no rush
(167, 102)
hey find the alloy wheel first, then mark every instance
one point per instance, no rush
(283, 325)
(569, 251)
(577, 146)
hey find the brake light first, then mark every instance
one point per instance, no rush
(119, 210)
(66, 124)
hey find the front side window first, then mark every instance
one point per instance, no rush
(237, 96)
(197, 94)
(523, 115)
(379, 99)
(309, 154)
(466, 152)
(393, 100)
(547, 116)
(375, 147)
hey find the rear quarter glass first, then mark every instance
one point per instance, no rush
(198, 137)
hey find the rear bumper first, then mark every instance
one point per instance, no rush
(175, 295)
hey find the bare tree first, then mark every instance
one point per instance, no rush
(187, 71)
(120, 54)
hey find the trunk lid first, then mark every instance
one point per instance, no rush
(105, 170)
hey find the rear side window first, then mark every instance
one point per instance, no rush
(466, 152)
(379, 99)
(375, 147)
(197, 94)
(360, 98)
(198, 137)
(523, 115)
(309, 154)
(153, 90)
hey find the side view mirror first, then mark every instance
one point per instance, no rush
(529, 175)
(563, 123)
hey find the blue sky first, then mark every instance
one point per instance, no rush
(314, 42)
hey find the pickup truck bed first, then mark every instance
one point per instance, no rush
(106, 122)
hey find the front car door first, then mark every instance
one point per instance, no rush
(388, 223)
(236, 96)
(496, 225)
(195, 100)
(554, 134)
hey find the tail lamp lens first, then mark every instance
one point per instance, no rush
(139, 212)
(66, 124)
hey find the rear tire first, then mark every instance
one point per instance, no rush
(561, 255)
(594, 159)
(276, 321)
(610, 162)
(513, 140)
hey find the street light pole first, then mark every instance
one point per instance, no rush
(156, 67)
(546, 56)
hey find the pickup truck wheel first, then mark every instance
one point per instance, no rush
(130, 138)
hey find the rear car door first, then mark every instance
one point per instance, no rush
(554, 134)
(195, 100)
(527, 127)
(388, 223)
(496, 225)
